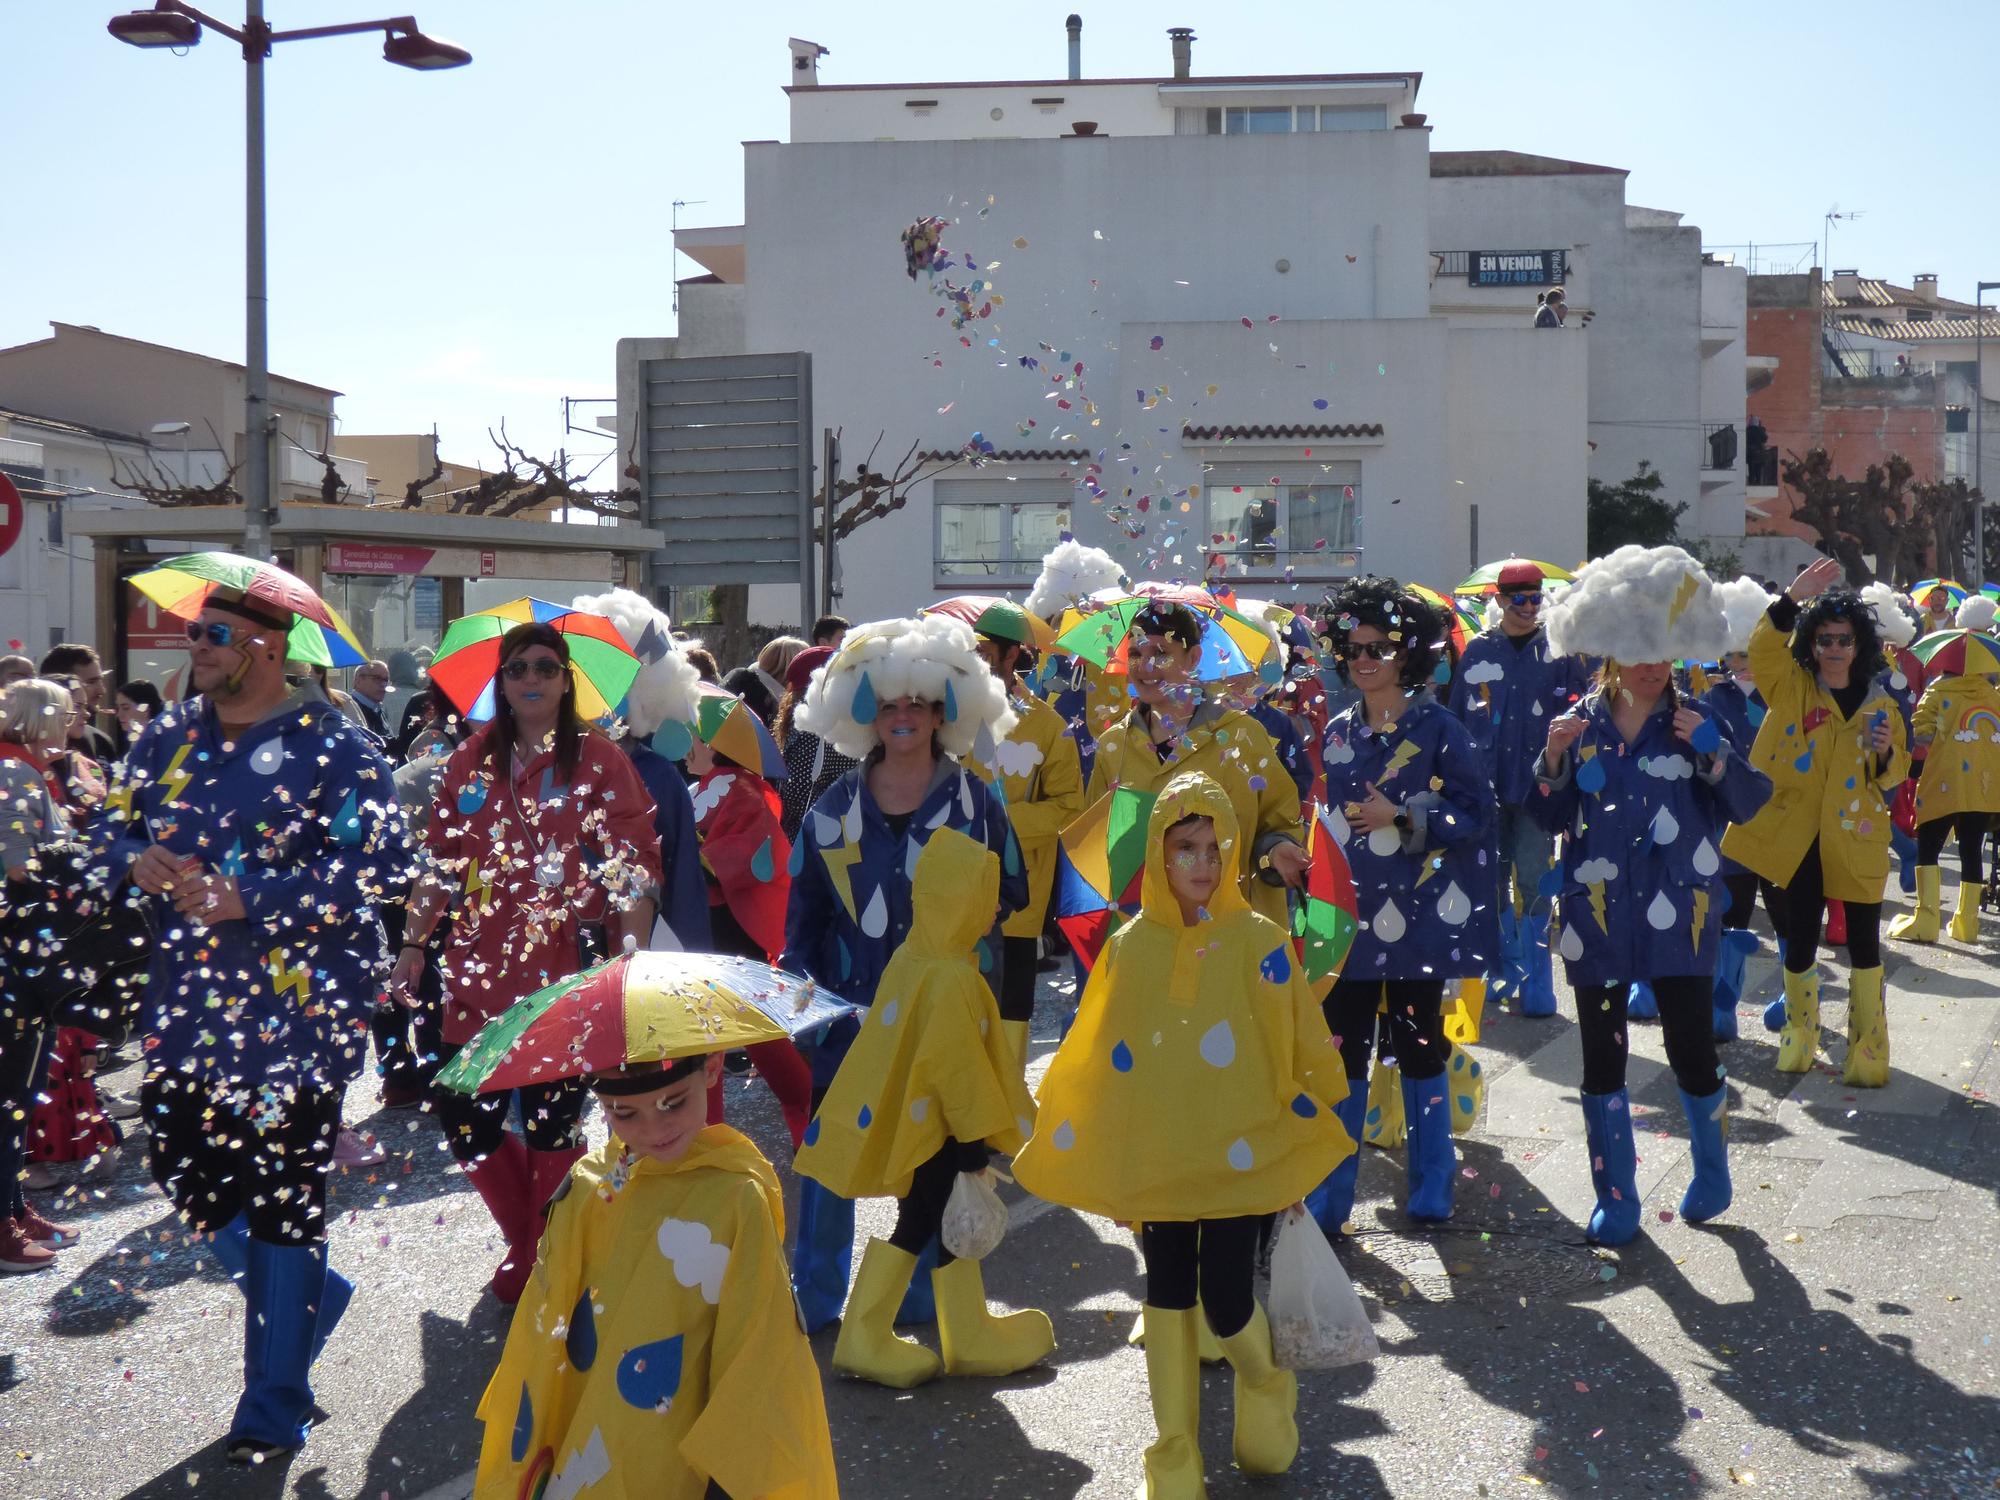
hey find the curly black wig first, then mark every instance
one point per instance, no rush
(1838, 604)
(1397, 613)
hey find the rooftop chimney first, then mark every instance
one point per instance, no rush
(805, 63)
(1183, 37)
(1847, 286)
(1926, 286)
(1075, 25)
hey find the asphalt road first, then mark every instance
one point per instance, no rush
(1834, 1336)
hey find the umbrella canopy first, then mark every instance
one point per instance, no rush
(1231, 643)
(319, 636)
(1003, 618)
(1456, 619)
(1991, 591)
(1100, 865)
(1954, 592)
(1958, 653)
(1486, 580)
(729, 726)
(639, 1008)
(1324, 916)
(467, 666)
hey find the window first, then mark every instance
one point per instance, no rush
(1272, 120)
(1280, 119)
(1346, 117)
(996, 531)
(1302, 517)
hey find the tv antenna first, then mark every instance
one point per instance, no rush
(1835, 215)
(674, 258)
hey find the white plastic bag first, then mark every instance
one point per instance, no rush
(974, 1217)
(1317, 1321)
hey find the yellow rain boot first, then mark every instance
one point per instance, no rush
(1921, 925)
(975, 1341)
(1267, 1400)
(1461, 1021)
(869, 1347)
(1173, 1378)
(1016, 1033)
(1800, 1038)
(1382, 1124)
(1867, 1031)
(1465, 1081)
(1208, 1348)
(1965, 920)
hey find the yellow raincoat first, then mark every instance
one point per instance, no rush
(1960, 719)
(1038, 768)
(930, 1060)
(1199, 1080)
(1234, 751)
(1825, 784)
(657, 1346)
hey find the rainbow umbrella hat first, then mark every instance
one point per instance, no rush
(988, 614)
(1958, 653)
(1953, 591)
(1100, 866)
(319, 636)
(1325, 917)
(1231, 642)
(1486, 580)
(467, 666)
(639, 1008)
(729, 726)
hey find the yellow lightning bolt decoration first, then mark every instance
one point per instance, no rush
(1700, 915)
(174, 780)
(478, 886)
(298, 981)
(1405, 753)
(1597, 905)
(839, 863)
(1683, 597)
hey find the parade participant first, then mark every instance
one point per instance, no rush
(762, 683)
(1173, 728)
(1196, 1097)
(264, 826)
(907, 699)
(1509, 686)
(1833, 745)
(1639, 783)
(656, 1346)
(1903, 674)
(1415, 795)
(1041, 782)
(540, 825)
(927, 1088)
(1088, 698)
(1738, 708)
(811, 765)
(1958, 725)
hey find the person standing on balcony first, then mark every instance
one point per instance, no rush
(1551, 307)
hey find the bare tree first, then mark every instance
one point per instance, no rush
(159, 486)
(874, 494)
(525, 481)
(1866, 522)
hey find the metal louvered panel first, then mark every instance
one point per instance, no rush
(727, 470)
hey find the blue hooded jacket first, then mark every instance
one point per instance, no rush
(1739, 714)
(302, 811)
(1506, 694)
(683, 893)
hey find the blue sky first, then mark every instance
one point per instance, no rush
(456, 248)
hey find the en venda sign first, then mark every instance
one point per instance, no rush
(1516, 267)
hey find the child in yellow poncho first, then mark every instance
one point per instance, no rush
(656, 1352)
(929, 1084)
(1195, 1097)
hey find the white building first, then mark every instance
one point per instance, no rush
(1215, 323)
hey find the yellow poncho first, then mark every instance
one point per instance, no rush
(1960, 719)
(930, 1060)
(1199, 1079)
(1038, 769)
(657, 1346)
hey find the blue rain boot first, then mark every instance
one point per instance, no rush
(1614, 1168)
(231, 1245)
(1332, 1202)
(284, 1287)
(1503, 980)
(1538, 985)
(823, 1254)
(1433, 1161)
(1641, 1004)
(1732, 952)
(919, 1303)
(1708, 1135)
(1774, 1013)
(1906, 855)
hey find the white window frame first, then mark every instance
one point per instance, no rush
(1010, 570)
(1341, 558)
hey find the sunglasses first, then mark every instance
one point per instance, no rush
(1525, 601)
(216, 634)
(545, 667)
(1373, 650)
(1835, 640)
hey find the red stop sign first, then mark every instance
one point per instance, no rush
(11, 520)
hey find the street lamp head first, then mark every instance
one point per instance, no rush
(171, 429)
(1989, 286)
(425, 53)
(155, 28)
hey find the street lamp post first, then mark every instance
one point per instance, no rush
(1979, 429)
(170, 23)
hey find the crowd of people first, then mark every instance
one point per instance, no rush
(267, 880)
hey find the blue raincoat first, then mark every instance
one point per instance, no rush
(301, 810)
(1425, 896)
(1739, 714)
(683, 893)
(1506, 694)
(1641, 856)
(1290, 745)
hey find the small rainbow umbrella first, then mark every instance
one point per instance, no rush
(467, 667)
(319, 636)
(1100, 865)
(1453, 618)
(639, 1008)
(1957, 653)
(729, 726)
(990, 615)
(1991, 591)
(1324, 916)
(1231, 643)
(1486, 580)
(1954, 592)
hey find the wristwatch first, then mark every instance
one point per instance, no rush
(1402, 821)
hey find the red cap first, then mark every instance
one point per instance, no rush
(808, 661)
(1518, 573)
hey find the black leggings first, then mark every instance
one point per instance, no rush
(1214, 1260)
(1416, 1023)
(23, 1044)
(217, 1155)
(474, 1124)
(1687, 1020)
(1020, 963)
(1971, 830)
(1805, 906)
(1743, 889)
(920, 1211)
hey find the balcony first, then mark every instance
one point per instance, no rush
(1721, 443)
(301, 471)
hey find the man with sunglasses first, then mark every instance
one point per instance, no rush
(1509, 685)
(261, 826)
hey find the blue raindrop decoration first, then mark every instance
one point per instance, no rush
(865, 706)
(1277, 966)
(472, 797)
(581, 1343)
(347, 823)
(524, 1427)
(1121, 1058)
(762, 865)
(950, 703)
(649, 1376)
(865, 1118)
(1804, 762)
(811, 1137)
(673, 739)
(796, 865)
(1303, 1107)
(1590, 777)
